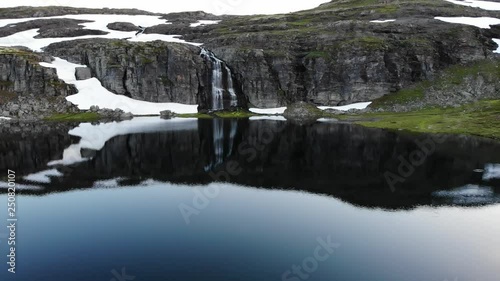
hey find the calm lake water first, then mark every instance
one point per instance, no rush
(152, 199)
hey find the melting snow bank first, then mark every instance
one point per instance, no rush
(94, 137)
(468, 195)
(485, 5)
(481, 22)
(281, 110)
(382, 21)
(91, 92)
(204, 22)
(99, 22)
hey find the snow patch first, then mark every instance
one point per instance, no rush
(359, 105)
(498, 43)
(383, 21)
(4, 118)
(278, 110)
(281, 110)
(91, 92)
(43, 176)
(485, 5)
(481, 22)
(204, 22)
(21, 186)
(98, 22)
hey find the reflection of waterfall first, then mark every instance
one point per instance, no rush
(222, 81)
(218, 141)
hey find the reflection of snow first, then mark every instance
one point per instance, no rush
(485, 5)
(94, 137)
(204, 22)
(491, 171)
(107, 183)
(5, 185)
(43, 176)
(91, 92)
(468, 195)
(99, 22)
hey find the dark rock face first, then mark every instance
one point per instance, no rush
(155, 71)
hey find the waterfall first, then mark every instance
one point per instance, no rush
(220, 74)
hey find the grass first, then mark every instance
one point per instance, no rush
(220, 114)
(80, 117)
(479, 119)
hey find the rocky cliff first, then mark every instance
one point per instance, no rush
(26, 87)
(330, 55)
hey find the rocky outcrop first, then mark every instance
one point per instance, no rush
(302, 111)
(28, 89)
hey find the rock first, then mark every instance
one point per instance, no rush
(167, 114)
(302, 111)
(83, 73)
(127, 116)
(123, 26)
(334, 111)
(94, 108)
(6, 113)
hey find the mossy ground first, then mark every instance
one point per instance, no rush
(480, 119)
(74, 117)
(453, 76)
(220, 114)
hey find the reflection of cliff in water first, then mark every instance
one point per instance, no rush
(342, 160)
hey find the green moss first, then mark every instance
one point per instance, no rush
(234, 114)
(6, 96)
(480, 119)
(194, 115)
(317, 54)
(367, 42)
(5, 84)
(80, 117)
(146, 60)
(31, 57)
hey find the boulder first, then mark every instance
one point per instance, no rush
(302, 111)
(83, 73)
(167, 114)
